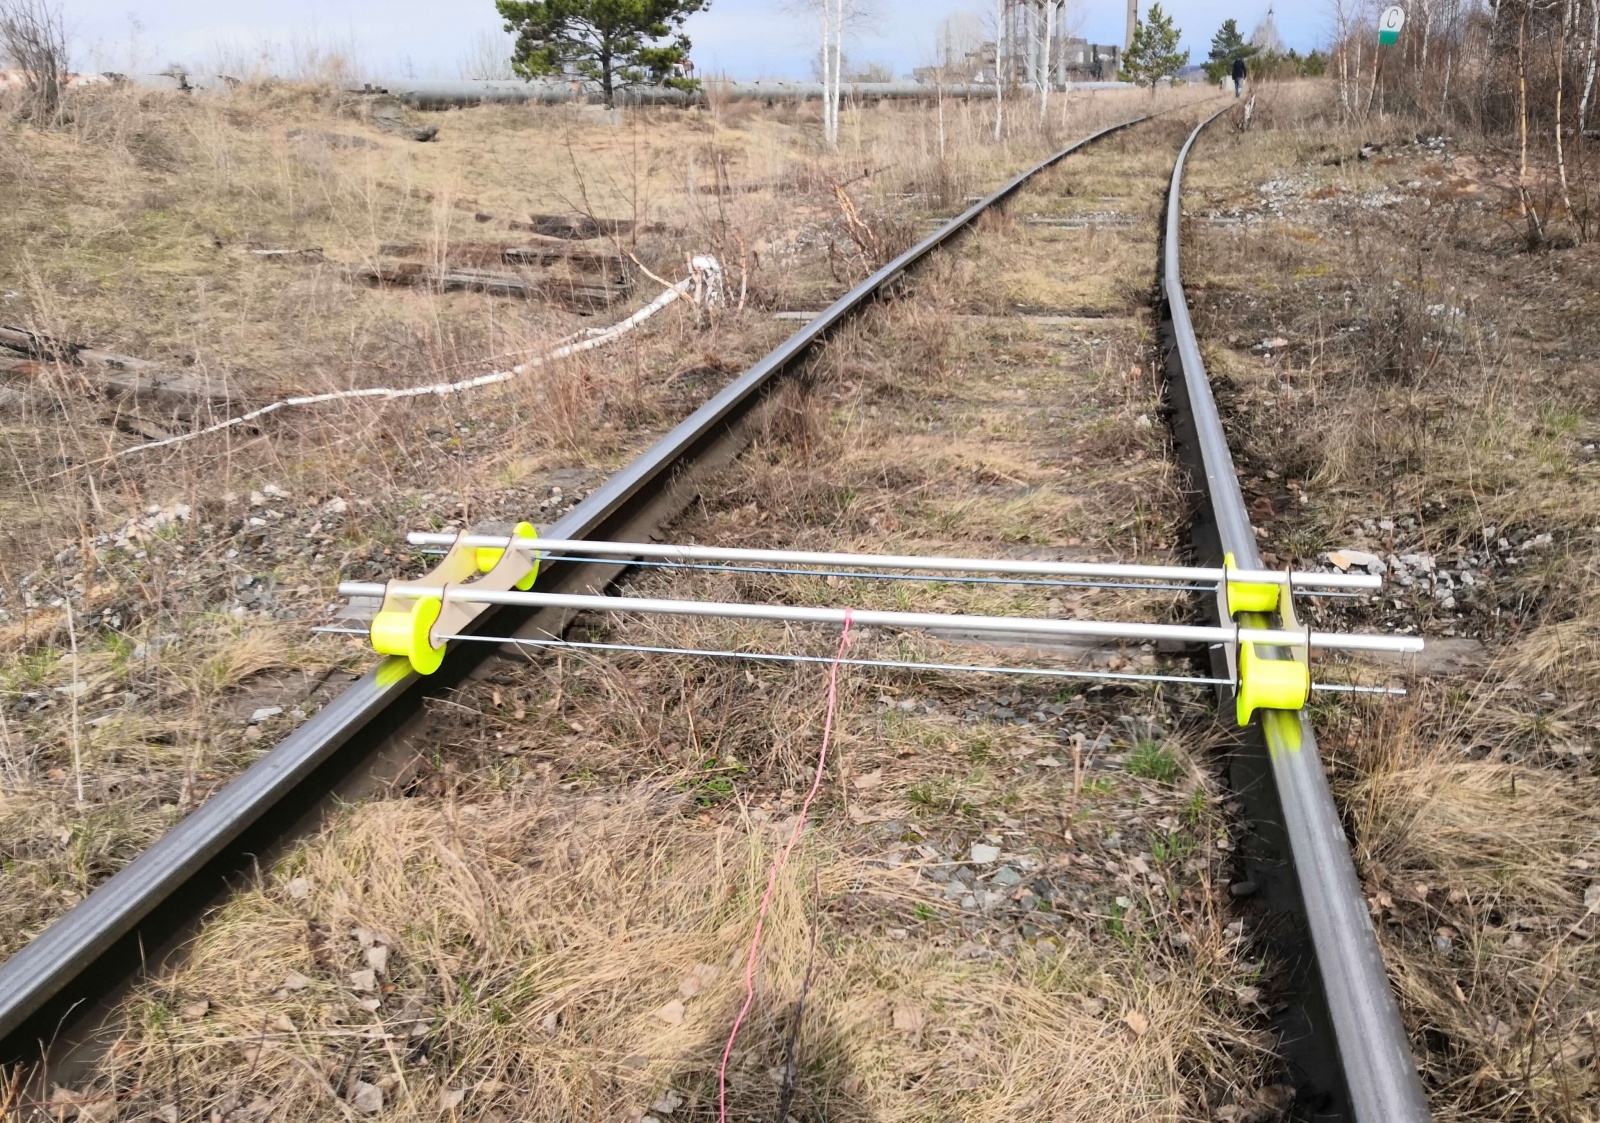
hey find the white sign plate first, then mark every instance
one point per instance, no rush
(1390, 23)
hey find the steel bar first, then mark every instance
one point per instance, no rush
(1135, 631)
(1021, 566)
(786, 657)
(1373, 1050)
(81, 958)
(896, 664)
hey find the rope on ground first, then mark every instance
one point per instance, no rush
(703, 286)
(777, 870)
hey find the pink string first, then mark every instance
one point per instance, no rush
(777, 868)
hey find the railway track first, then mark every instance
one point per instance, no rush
(1347, 1050)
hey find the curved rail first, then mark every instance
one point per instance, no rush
(1373, 1052)
(58, 982)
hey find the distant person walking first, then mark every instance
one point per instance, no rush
(1238, 77)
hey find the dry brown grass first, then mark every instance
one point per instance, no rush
(536, 949)
(131, 228)
(132, 232)
(1483, 872)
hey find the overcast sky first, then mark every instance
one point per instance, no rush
(431, 38)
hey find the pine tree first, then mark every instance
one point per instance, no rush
(614, 42)
(1154, 53)
(1226, 45)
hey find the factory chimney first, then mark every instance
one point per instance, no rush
(1133, 19)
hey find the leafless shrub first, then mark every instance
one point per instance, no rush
(940, 181)
(34, 40)
(487, 56)
(1403, 343)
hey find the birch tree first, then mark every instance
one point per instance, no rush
(999, 70)
(1349, 28)
(833, 17)
(1046, 78)
(830, 72)
(1588, 78)
(959, 37)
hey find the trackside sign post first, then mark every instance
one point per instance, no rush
(1389, 25)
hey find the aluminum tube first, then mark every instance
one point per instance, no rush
(898, 561)
(1374, 1051)
(428, 93)
(812, 614)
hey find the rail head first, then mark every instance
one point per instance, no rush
(1374, 1051)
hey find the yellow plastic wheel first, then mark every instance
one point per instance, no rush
(487, 557)
(1271, 684)
(408, 633)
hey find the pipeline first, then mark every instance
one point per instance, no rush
(446, 93)
(439, 93)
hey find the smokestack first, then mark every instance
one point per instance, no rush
(1133, 19)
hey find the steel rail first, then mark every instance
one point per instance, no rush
(58, 982)
(1374, 1053)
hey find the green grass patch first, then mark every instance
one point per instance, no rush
(1151, 760)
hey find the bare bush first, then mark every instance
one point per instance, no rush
(487, 57)
(33, 39)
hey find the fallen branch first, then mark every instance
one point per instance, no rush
(307, 253)
(122, 378)
(574, 294)
(535, 249)
(573, 226)
(702, 285)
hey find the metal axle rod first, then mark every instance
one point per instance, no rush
(804, 614)
(930, 578)
(670, 552)
(883, 664)
(785, 657)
